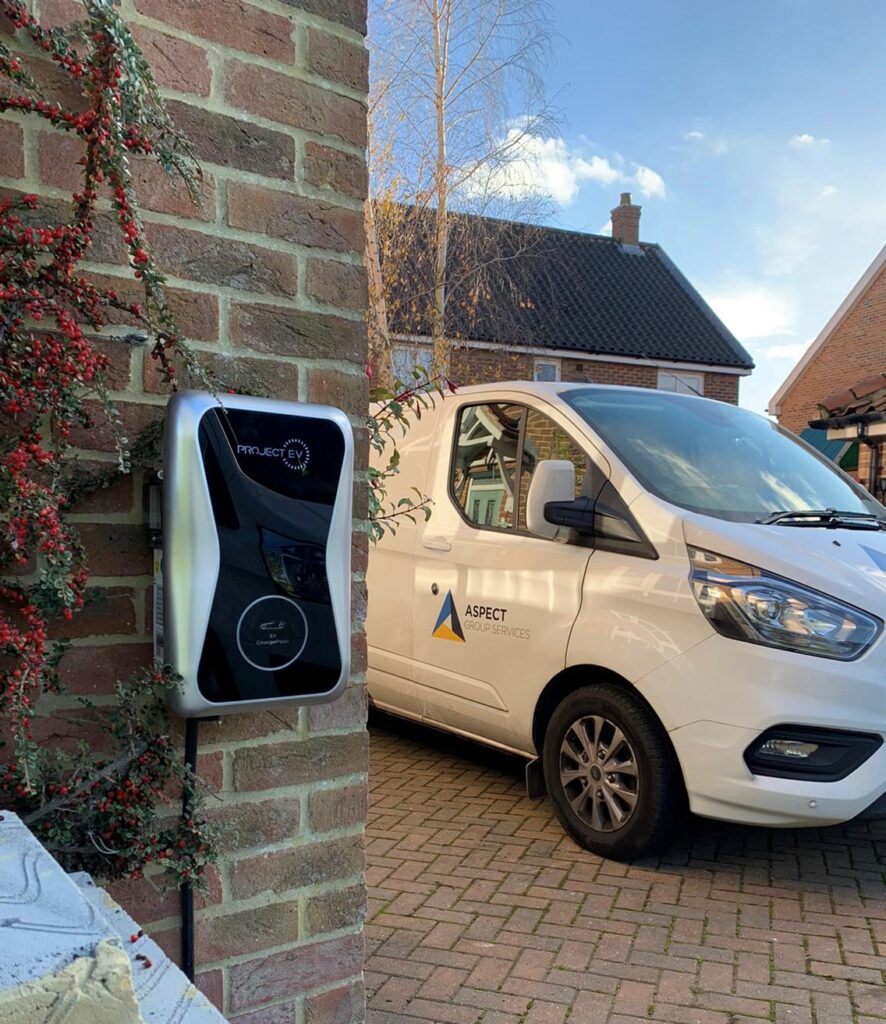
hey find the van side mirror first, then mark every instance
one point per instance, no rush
(552, 482)
(577, 514)
(610, 528)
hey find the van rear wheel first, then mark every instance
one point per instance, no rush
(611, 774)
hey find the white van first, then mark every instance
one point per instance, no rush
(651, 596)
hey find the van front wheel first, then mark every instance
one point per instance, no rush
(610, 773)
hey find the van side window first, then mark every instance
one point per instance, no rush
(543, 439)
(484, 475)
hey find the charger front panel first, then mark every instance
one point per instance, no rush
(269, 587)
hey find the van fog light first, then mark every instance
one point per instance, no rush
(778, 747)
(808, 752)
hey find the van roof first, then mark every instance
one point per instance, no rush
(552, 388)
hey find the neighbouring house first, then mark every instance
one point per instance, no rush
(840, 375)
(538, 303)
(855, 419)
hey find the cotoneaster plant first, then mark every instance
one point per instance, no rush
(110, 808)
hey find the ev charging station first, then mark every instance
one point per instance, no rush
(256, 552)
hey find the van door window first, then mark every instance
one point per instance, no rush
(543, 439)
(484, 478)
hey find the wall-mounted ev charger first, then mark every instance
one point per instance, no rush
(256, 552)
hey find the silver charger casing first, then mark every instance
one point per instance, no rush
(256, 576)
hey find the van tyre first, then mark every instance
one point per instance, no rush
(611, 773)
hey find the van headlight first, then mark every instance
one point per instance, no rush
(746, 603)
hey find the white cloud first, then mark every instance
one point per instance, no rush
(785, 247)
(703, 144)
(806, 141)
(650, 183)
(548, 168)
(752, 310)
(828, 190)
(596, 169)
(791, 350)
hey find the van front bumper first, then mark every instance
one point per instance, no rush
(720, 784)
(717, 699)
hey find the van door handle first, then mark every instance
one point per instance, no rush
(436, 544)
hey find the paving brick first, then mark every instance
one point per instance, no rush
(524, 928)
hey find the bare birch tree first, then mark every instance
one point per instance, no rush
(457, 96)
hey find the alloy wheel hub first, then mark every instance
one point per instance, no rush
(599, 773)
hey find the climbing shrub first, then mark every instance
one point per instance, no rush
(106, 806)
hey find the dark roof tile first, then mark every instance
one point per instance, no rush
(583, 293)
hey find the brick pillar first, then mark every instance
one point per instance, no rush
(267, 281)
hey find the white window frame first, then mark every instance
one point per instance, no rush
(406, 356)
(538, 363)
(680, 382)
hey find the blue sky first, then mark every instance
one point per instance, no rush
(754, 136)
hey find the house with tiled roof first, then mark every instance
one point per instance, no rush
(840, 375)
(572, 307)
(855, 419)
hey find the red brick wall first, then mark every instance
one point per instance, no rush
(478, 366)
(267, 281)
(722, 386)
(855, 350)
(631, 374)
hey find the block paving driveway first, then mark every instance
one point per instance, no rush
(482, 910)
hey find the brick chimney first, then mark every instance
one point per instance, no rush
(626, 221)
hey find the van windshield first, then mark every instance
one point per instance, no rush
(715, 458)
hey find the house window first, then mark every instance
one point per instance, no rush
(682, 383)
(405, 358)
(546, 370)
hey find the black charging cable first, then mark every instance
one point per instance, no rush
(187, 888)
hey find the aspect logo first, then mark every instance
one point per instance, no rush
(447, 626)
(294, 454)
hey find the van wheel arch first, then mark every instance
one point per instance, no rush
(574, 678)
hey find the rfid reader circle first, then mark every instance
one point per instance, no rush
(269, 626)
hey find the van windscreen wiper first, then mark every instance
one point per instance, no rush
(829, 518)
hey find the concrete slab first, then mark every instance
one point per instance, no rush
(45, 923)
(65, 950)
(164, 994)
